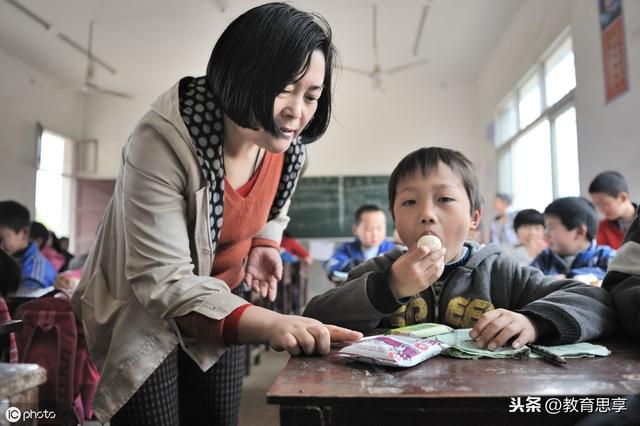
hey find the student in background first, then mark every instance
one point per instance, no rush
(434, 191)
(529, 226)
(38, 274)
(573, 252)
(10, 274)
(63, 248)
(501, 228)
(610, 194)
(370, 230)
(623, 280)
(45, 239)
(198, 210)
(293, 247)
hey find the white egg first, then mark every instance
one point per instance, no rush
(430, 241)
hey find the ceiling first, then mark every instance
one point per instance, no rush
(151, 43)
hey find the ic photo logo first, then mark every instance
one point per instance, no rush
(13, 414)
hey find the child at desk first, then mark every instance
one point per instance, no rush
(610, 194)
(434, 191)
(38, 274)
(369, 228)
(573, 253)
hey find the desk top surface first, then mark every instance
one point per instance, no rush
(16, 378)
(443, 377)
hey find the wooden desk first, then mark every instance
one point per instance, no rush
(442, 390)
(19, 388)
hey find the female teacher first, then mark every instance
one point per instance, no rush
(199, 208)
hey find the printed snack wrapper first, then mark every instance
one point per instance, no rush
(393, 351)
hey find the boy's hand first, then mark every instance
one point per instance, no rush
(301, 335)
(416, 270)
(495, 328)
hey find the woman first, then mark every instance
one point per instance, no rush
(199, 207)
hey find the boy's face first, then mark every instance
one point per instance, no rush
(12, 241)
(372, 229)
(529, 233)
(611, 207)
(500, 205)
(438, 205)
(561, 240)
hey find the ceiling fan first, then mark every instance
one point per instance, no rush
(89, 86)
(377, 71)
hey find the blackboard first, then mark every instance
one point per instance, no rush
(323, 206)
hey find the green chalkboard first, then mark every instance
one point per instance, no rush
(323, 206)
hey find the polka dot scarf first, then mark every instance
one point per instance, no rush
(203, 119)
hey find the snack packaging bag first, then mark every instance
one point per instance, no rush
(393, 351)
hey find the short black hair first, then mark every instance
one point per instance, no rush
(528, 217)
(574, 212)
(10, 274)
(505, 197)
(610, 182)
(14, 215)
(259, 54)
(427, 160)
(38, 230)
(366, 208)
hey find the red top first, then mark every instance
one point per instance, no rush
(610, 233)
(292, 246)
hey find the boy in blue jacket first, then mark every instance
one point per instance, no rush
(38, 274)
(370, 230)
(571, 224)
(435, 191)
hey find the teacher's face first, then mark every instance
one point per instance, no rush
(293, 108)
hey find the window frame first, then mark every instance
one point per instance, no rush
(551, 113)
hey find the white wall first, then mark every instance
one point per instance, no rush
(26, 97)
(607, 133)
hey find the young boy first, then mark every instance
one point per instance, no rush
(370, 230)
(573, 252)
(434, 191)
(529, 227)
(501, 229)
(623, 280)
(610, 194)
(38, 274)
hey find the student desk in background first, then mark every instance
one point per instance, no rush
(442, 390)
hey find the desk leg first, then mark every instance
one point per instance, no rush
(304, 415)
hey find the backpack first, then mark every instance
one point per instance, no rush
(11, 354)
(53, 338)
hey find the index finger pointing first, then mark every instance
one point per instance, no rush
(339, 334)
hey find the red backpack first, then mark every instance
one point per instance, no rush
(12, 356)
(52, 337)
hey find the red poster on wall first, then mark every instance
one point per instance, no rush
(614, 53)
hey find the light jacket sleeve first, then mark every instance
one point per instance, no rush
(576, 310)
(159, 264)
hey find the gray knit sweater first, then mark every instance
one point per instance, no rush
(563, 311)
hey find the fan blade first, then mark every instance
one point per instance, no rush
(356, 70)
(374, 33)
(108, 91)
(423, 18)
(89, 74)
(394, 70)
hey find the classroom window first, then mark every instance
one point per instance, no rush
(54, 182)
(536, 138)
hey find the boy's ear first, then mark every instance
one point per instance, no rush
(475, 218)
(623, 197)
(581, 231)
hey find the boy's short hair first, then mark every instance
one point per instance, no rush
(610, 182)
(366, 208)
(505, 197)
(259, 54)
(426, 160)
(14, 215)
(574, 212)
(528, 217)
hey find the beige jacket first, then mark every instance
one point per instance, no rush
(152, 259)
